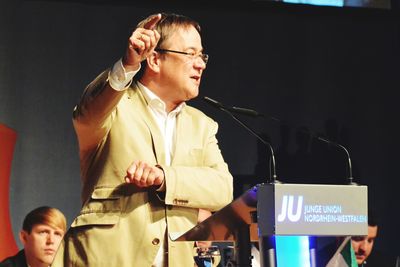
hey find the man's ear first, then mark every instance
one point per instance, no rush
(153, 61)
(23, 236)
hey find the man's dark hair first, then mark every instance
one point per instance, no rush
(372, 217)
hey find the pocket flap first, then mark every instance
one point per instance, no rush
(104, 193)
(103, 208)
(94, 218)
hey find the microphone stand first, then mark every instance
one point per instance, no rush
(242, 233)
(273, 179)
(253, 113)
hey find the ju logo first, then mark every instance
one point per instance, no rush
(288, 211)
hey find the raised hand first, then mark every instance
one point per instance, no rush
(141, 43)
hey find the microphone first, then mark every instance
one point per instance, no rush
(238, 110)
(246, 111)
(229, 111)
(213, 102)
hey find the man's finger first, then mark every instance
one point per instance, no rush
(151, 177)
(152, 22)
(146, 172)
(139, 171)
(131, 170)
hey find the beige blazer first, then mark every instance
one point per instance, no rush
(120, 225)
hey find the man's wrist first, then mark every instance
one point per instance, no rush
(162, 187)
(119, 78)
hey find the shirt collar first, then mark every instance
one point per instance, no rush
(156, 102)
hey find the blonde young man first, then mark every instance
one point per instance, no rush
(41, 234)
(149, 162)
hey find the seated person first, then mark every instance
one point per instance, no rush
(363, 245)
(363, 249)
(42, 231)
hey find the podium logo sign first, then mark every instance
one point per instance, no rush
(292, 211)
(303, 209)
(287, 210)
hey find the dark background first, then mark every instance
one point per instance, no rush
(331, 71)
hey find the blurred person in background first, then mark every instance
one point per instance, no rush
(42, 231)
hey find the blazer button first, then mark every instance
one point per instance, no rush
(155, 241)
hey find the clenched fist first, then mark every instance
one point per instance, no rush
(143, 174)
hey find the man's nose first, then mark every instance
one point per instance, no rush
(363, 245)
(200, 63)
(50, 239)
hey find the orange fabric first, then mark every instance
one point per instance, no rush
(8, 246)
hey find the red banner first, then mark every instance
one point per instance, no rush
(8, 246)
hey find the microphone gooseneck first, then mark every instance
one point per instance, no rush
(350, 178)
(220, 106)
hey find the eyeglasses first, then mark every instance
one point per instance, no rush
(192, 55)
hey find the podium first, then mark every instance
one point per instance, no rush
(267, 210)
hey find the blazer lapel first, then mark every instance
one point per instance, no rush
(136, 96)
